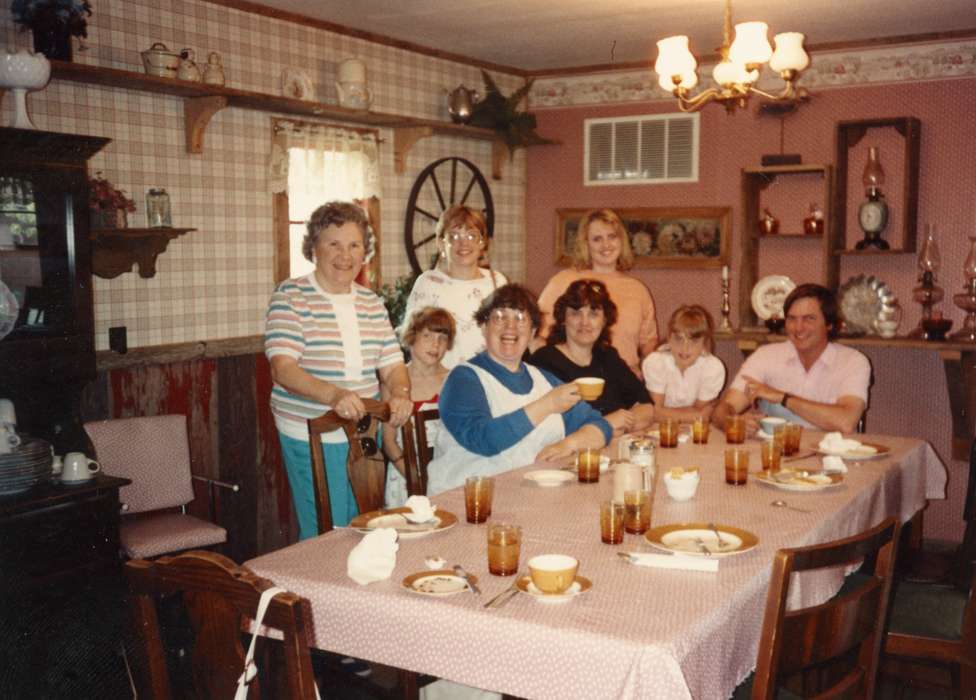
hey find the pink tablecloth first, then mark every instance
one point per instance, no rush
(639, 633)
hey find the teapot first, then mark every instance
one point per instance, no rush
(158, 60)
(351, 85)
(188, 69)
(460, 104)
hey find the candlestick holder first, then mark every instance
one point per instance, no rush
(726, 324)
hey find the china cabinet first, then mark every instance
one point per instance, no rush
(47, 352)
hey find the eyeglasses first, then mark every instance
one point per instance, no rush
(501, 317)
(466, 236)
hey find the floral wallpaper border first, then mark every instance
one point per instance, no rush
(827, 70)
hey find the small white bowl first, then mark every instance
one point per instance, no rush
(769, 423)
(684, 487)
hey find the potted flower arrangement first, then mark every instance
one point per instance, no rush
(107, 203)
(53, 23)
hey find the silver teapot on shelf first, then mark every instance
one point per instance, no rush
(460, 103)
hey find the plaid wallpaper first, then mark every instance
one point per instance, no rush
(215, 282)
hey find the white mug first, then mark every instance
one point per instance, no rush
(9, 439)
(7, 413)
(76, 467)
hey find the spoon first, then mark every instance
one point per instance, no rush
(721, 542)
(784, 504)
(459, 570)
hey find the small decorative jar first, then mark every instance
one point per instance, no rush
(768, 224)
(158, 213)
(813, 225)
(213, 73)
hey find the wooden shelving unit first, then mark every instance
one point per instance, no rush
(754, 181)
(201, 102)
(116, 250)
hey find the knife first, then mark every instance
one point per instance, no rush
(794, 457)
(467, 579)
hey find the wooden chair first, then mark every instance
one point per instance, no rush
(154, 452)
(417, 451)
(366, 465)
(798, 647)
(218, 597)
(933, 611)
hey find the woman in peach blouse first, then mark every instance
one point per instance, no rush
(602, 252)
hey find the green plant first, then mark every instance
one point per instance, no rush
(39, 14)
(502, 114)
(105, 196)
(395, 297)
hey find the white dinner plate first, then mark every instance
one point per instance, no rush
(549, 477)
(685, 537)
(769, 294)
(436, 583)
(394, 518)
(875, 451)
(789, 480)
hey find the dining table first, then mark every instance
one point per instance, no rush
(638, 632)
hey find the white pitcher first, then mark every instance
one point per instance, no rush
(351, 85)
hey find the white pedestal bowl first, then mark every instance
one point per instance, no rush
(20, 72)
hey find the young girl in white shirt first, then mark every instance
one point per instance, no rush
(683, 377)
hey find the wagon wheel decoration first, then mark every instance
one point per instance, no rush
(439, 186)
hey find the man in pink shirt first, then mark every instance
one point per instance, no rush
(807, 379)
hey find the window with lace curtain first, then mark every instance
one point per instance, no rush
(312, 164)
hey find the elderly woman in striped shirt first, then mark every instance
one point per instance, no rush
(330, 343)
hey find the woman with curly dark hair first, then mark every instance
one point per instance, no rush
(579, 345)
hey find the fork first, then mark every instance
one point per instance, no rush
(500, 599)
(721, 542)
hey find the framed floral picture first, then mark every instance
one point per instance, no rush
(688, 237)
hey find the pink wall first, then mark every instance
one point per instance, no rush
(909, 392)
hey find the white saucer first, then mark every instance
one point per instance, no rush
(549, 477)
(579, 586)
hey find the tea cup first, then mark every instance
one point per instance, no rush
(590, 388)
(553, 573)
(77, 467)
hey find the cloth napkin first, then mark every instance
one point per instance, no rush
(373, 559)
(833, 463)
(835, 442)
(421, 510)
(674, 561)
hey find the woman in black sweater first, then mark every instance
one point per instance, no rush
(579, 346)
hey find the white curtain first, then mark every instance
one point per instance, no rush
(317, 164)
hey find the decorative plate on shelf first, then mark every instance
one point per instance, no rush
(297, 85)
(865, 300)
(769, 294)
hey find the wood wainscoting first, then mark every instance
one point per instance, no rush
(223, 388)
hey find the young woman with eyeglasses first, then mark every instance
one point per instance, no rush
(499, 413)
(602, 252)
(461, 284)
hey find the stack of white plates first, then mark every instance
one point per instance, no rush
(27, 465)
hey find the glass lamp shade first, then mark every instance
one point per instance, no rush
(674, 57)
(969, 267)
(930, 259)
(789, 53)
(873, 176)
(751, 44)
(727, 73)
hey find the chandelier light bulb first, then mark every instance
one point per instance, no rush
(751, 44)
(728, 74)
(674, 58)
(789, 53)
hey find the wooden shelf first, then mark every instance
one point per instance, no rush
(873, 251)
(116, 250)
(754, 181)
(202, 102)
(849, 134)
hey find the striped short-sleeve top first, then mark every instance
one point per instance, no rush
(316, 328)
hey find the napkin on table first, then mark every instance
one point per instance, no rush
(421, 511)
(835, 442)
(674, 561)
(373, 559)
(834, 464)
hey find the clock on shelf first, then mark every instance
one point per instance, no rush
(873, 212)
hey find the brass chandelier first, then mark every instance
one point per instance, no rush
(738, 70)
